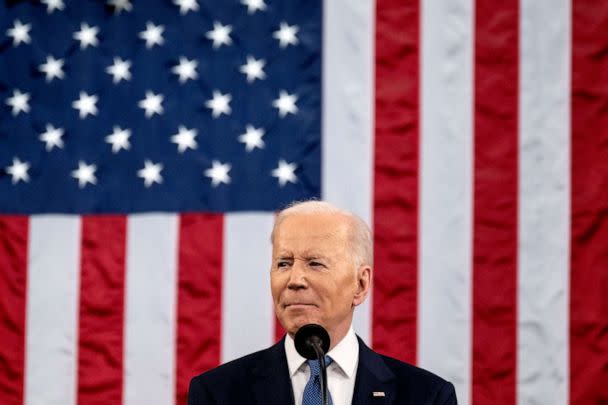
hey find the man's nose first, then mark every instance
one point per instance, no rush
(297, 276)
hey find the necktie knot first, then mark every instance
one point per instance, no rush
(315, 366)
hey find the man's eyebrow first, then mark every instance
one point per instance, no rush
(315, 257)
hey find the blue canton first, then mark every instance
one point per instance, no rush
(137, 106)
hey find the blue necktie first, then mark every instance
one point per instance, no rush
(312, 391)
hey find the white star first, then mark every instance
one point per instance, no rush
(219, 104)
(119, 70)
(20, 33)
(85, 174)
(52, 5)
(85, 105)
(119, 139)
(184, 139)
(18, 171)
(19, 102)
(254, 5)
(87, 35)
(254, 69)
(218, 173)
(151, 173)
(186, 69)
(286, 103)
(252, 138)
(153, 35)
(152, 104)
(120, 5)
(186, 5)
(220, 34)
(285, 172)
(286, 34)
(52, 68)
(52, 137)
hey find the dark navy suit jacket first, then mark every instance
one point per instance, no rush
(263, 378)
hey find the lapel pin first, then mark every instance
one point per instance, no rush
(378, 394)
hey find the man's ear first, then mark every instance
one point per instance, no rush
(364, 281)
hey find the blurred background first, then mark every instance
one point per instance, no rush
(146, 145)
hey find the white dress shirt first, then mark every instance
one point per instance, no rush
(341, 372)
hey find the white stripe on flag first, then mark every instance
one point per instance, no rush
(247, 311)
(544, 190)
(348, 146)
(446, 192)
(52, 309)
(150, 289)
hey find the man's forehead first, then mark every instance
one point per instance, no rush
(307, 248)
(286, 252)
(312, 226)
(321, 224)
(309, 244)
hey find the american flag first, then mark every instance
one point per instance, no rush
(145, 146)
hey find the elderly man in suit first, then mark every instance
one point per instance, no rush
(321, 270)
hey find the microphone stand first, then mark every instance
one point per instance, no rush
(322, 365)
(312, 341)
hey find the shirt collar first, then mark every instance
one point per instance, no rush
(345, 354)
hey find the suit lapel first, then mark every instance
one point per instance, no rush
(375, 382)
(271, 381)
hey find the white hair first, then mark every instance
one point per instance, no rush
(360, 234)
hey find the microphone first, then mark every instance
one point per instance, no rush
(312, 342)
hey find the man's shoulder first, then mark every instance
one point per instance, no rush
(399, 368)
(238, 381)
(241, 366)
(412, 384)
(403, 370)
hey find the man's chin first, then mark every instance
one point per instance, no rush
(293, 325)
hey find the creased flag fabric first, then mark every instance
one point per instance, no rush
(145, 148)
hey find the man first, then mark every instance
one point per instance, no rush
(321, 270)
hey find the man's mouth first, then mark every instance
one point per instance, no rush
(299, 305)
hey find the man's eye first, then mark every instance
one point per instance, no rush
(316, 264)
(282, 264)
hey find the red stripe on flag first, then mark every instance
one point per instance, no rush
(495, 202)
(199, 306)
(101, 314)
(13, 287)
(395, 296)
(279, 331)
(589, 205)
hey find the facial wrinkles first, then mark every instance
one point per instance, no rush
(316, 247)
(304, 257)
(327, 289)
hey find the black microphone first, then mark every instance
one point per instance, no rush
(312, 342)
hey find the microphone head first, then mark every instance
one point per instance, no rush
(309, 336)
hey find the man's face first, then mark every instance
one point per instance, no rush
(313, 276)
